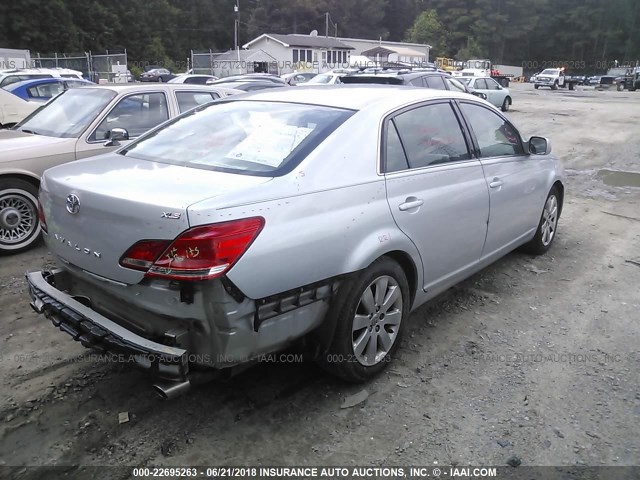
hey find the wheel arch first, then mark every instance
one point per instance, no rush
(33, 180)
(410, 270)
(560, 187)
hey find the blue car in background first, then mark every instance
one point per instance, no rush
(44, 89)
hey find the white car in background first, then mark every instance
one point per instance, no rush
(496, 94)
(7, 77)
(193, 79)
(14, 109)
(328, 78)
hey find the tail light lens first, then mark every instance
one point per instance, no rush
(41, 218)
(200, 253)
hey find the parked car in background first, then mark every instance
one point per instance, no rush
(495, 93)
(171, 250)
(193, 79)
(328, 78)
(79, 123)
(427, 78)
(298, 78)
(44, 89)
(8, 77)
(13, 109)
(156, 75)
(126, 77)
(254, 77)
(248, 85)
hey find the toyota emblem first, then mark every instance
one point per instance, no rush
(73, 204)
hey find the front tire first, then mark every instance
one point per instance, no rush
(372, 307)
(555, 85)
(536, 87)
(506, 104)
(19, 225)
(547, 227)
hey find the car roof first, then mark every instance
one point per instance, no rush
(44, 81)
(354, 96)
(154, 87)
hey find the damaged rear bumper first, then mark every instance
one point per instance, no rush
(96, 331)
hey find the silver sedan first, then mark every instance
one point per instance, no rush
(318, 215)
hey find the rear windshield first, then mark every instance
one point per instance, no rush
(251, 137)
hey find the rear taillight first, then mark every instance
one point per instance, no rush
(41, 219)
(200, 253)
(142, 255)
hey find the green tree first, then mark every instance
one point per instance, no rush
(428, 29)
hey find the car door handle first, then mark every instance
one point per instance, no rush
(495, 183)
(410, 203)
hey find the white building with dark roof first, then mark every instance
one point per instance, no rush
(295, 52)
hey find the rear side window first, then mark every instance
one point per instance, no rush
(395, 158)
(495, 136)
(47, 90)
(189, 100)
(435, 81)
(431, 135)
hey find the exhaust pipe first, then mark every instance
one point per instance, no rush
(171, 390)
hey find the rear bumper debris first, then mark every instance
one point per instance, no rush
(95, 331)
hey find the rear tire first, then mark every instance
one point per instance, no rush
(372, 308)
(19, 225)
(547, 227)
(506, 104)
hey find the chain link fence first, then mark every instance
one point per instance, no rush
(94, 67)
(203, 62)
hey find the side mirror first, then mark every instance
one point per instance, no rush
(115, 135)
(539, 146)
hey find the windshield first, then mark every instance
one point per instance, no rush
(253, 137)
(68, 114)
(320, 79)
(549, 71)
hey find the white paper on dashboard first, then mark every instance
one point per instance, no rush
(269, 146)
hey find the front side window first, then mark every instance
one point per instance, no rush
(495, 136)
(189, 100)
(431, 135)
(250, 137)
(492, 84)
(69, 114)
(481, 84)
(136, 114)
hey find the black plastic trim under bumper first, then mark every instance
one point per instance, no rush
(96, 331)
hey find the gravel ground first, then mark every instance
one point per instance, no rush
(534, 357)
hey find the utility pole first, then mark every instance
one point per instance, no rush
(326, 25)
(236, 24)
(336, 35)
